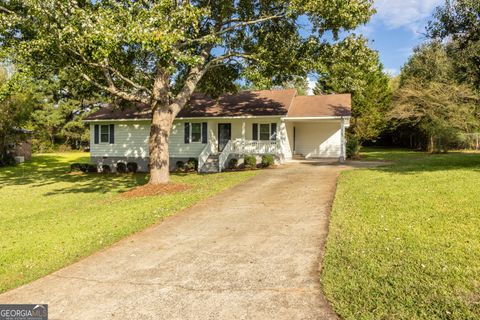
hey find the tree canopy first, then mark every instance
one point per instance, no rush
(431, 103)
(157, 52)
(459, 22)
(16, 100)
(350, 66)
(437, 101)
(121, 46)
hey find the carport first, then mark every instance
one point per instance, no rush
(316, 126)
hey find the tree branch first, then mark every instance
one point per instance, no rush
(240, 23)
(114, 91)
(194, 76)
(229, 56)
(2, 8)
(106, 67)
(247, 23)
(125, 79)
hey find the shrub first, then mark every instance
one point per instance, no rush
(40, 146)
(7, 159)
(192, 164)
(250, 161)
(132, 167)
(180, 166)
(353, 147)
(106, 168)
(63, 148)
(121, 167)
(232, 163)
(77, 167)
(92, 168)
(267, 160)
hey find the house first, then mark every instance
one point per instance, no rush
(276, 122)
(20, 144)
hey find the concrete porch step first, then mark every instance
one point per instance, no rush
(209, 168)
(211, 164)
(298, 157)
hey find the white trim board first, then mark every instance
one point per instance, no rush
(236, 117)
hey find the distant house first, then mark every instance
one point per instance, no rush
(276, 122)
(20, 145)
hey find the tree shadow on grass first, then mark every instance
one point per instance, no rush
(47, 170)
(51, 170)
(101, 183)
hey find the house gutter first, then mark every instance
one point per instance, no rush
(183, 118)
(283, 118)
(316, 118)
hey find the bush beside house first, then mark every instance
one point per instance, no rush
(267, 160)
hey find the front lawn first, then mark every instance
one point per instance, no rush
(404, 239)
(50, 219)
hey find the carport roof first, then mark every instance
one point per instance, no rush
(246, 103)
(332, 105)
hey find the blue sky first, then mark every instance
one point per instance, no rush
(397, 27)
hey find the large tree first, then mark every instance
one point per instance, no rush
(459, 22)
(430, 102)
(156, 52)
(350, 66)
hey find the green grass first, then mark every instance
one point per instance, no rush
(404, 239)
(50, 219)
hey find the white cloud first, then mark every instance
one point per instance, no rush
(391, 72)
(365, 29)
(410, 14)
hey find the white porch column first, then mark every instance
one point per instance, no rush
(212, 135)
(342, 140)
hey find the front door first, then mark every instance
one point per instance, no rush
(224, 135)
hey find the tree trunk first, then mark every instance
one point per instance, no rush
(162, 120)
(431, 145)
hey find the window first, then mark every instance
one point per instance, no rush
(105, 133)
(196, 132)
(264, 133)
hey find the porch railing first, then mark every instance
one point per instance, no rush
(238, 146)
(202, 158)
(223, 157)
(255, 147)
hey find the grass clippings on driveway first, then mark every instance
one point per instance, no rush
(404, 239)
(50, 218)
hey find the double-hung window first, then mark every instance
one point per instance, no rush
(196, 132)
(104, 133)
(264, 131)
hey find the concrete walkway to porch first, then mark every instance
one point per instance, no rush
(251, 252)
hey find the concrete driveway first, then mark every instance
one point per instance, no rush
(251, 252)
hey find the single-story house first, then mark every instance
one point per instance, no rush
(276, 122)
